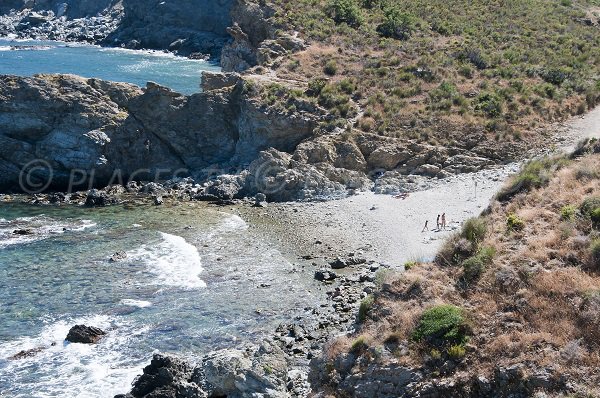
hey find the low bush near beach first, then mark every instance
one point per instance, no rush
(514, 223)
(535, 174)
(442, 324)
(474, 266)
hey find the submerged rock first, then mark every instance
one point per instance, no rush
(26, 354)
(85, 334)
(118, 256)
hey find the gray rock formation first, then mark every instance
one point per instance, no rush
(248, 372)
(66, 131)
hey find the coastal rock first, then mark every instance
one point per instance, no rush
(26, 354)
(85, 334)
(166, 376)
(325, 275)
(88, 130)
(244, 373)
(118, 256)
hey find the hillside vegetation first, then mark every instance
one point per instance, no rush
(447, 72)
(512, 302)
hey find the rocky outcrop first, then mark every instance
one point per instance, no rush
(85, 334)
(66, 131)
(250, 371)
(186, 27)
(181, 26)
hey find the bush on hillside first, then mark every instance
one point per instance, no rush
(347, 11)
(514, 223)
(474, 266)
(397, 24)
(474, 230)
(442, 325)
(595, 253)
(589, 205)
(535, 174)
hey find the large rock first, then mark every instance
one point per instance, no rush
(253, 371)
(166, 376)
(66, 131)
(85, 334)
(248, 372)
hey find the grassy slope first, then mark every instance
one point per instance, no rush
(491, 72)
(535, 301)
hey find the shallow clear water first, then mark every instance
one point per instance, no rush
(193, 281)
(138, 67)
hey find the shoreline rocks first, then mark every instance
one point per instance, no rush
(85, 334)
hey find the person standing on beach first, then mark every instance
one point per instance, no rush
(426, 227)
(438, 222)
(444, 221)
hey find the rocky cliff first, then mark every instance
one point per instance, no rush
(107, 130)
(185, 27)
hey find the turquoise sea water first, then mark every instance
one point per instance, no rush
(195, 279)
(138, 67)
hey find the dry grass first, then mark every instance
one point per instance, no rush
(538, 302)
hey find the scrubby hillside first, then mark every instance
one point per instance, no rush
(511, 304)
(486, 76)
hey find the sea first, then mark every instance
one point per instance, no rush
(29, 57)
(195, 278)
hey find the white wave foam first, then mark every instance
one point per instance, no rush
(4, 48)
(80, 370)
(173, 261)
(41, 227)
(234, 222)
(136, 303)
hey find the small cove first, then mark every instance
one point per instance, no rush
(29, 57)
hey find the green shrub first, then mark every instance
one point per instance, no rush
(346, 11)
(330, 67)
(410, 264)
(567, 213)
(474, 266)
(397, 24)
(315, 86)
(535, 174)
(457, 351)
(595, 253)
(442, 324)
(435, 354)
(595, 216)
(514, 222)
(365, 307)
(359, 345)
(474, 230)
(489, 105)
(589, 205)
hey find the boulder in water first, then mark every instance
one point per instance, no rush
(22, 232)
(26, 354)
(118, 256)
(85, 334)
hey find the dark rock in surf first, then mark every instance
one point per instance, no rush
(24, 232)
(85, 334)
(26, 354)
(166, 376)
(118, 256)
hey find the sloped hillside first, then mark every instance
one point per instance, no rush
(511, 304)
(485, 76)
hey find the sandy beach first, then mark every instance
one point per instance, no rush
(389, 230)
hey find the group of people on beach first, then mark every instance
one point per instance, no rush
(441, 223)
